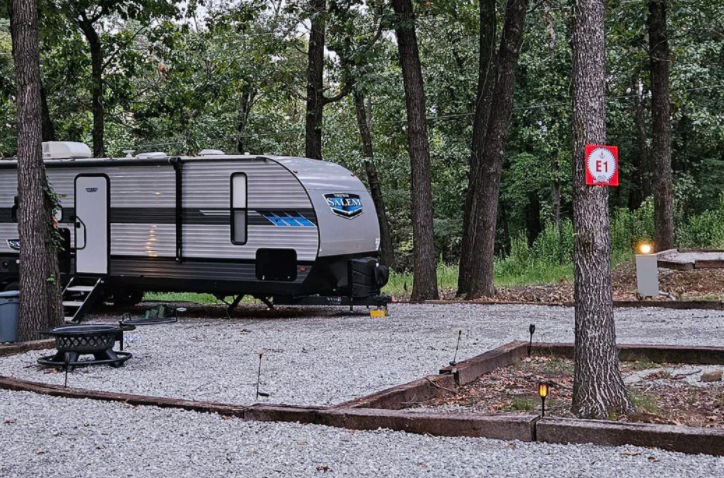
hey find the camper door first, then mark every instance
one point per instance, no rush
(92, 197)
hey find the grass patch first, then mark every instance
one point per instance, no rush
(720, 400)
(643, 401)
(204, 299)
(644, 364)
(525, 404)
(559, 366)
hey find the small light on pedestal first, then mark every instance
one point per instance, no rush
(543, 390)
(647, 270)
(645, 248)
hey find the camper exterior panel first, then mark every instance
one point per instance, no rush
(138, 187)
(340, 235)
(213, 241)
(207, 184)
(151, 240)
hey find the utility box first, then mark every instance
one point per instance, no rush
(9, 302)
(647, 274)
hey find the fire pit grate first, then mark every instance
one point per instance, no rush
(72, 341)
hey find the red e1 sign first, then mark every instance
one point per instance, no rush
(601, 165)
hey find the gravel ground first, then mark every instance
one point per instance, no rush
(56, 437)
(321, 358)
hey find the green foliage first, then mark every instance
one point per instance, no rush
(526, 404)
(629, 228)
(176, 76)
(705, 230)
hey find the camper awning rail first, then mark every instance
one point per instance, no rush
(75, 163)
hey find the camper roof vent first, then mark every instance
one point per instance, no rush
(153, 155)
(65, 150)
(211, 152)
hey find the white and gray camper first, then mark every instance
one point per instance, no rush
(293, 229)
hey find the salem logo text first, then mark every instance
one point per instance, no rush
(344, 204)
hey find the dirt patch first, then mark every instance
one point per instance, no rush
(667, 394)
(697, 284)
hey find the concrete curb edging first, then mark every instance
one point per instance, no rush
(513, 427)
(469, 370)
(385, 409)
(22, 347)
(627, 304)
(702, 355)
(683, 439)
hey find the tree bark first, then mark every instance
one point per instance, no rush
(424, 259)
(487, 191)
(39, 278)
(248, 94)
(533, 224)
(387, 250)
(315, 80)
(48, 126)
(661, 122)
(94, 42)
(555, 189)
(598, 387)
(643, 165)
(483, 101)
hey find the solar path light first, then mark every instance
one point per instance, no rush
(543, 390)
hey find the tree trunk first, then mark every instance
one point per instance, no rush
(387, 250)
(532, 218)
(315, 80)
(487, 191)
(643, 191)
(245, 104)
(94, 42)
(598, 387)
(661, 122)
(424, 260)
(555, 189)
(48, 127)
(483, 101)
(39, 278)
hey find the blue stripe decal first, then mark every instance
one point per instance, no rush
(284, 219)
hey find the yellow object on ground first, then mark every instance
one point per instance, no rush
(378, 313)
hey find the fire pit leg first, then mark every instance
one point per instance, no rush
(109, 355)
(68, 357)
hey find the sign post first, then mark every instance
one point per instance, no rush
(601, 165)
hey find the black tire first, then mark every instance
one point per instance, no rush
(12, 286)
(127, 297)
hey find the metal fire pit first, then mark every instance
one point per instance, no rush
(72, 341)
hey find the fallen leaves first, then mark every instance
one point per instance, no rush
(630, 453)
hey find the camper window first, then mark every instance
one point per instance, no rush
(238, 208)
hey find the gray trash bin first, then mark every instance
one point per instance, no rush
(9, 302)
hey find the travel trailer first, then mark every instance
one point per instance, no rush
(290, 230)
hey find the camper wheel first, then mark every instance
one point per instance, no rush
(14, 285)
(127, 297)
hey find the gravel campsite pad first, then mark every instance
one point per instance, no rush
(55, 437)
(323, 356)
(673, 394)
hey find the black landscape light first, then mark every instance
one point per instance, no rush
(531, 329)
(258, 379)
(454, 360)
(543, 390)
